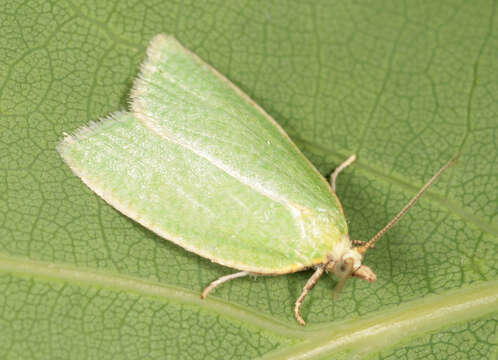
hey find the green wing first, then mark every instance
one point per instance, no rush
(207, 169)
(186, 101)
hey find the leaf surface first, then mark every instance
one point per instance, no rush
(402, 85)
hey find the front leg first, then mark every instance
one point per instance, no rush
(309, 285)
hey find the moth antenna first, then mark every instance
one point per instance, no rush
(371, 242)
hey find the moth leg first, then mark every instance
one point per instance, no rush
(361, 243)
(309, 285)
(338, 169)
(220, 281)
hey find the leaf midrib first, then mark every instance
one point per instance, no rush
(367, 333)
(25, 267)
(372, 333)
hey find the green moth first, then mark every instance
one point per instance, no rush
(200, 164)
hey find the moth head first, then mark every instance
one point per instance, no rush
(350, 265)
(347, 265)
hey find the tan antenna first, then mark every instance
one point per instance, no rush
(362, 249)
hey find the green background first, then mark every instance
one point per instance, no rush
(404, 85)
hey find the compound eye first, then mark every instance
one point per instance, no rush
(344, 268)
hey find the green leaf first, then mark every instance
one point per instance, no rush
(404, 85)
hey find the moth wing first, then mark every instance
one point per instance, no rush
(185, 198)
(185, 100)
(208, 169)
